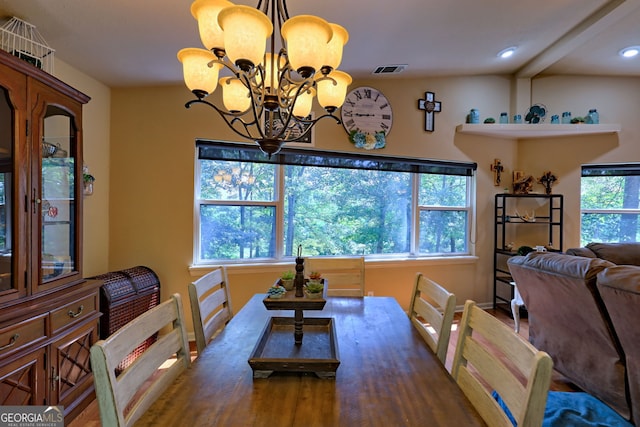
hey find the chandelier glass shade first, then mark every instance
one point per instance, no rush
(269, 67)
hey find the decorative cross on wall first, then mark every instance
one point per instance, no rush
(429, 105)
(497, 170)
(547, 179)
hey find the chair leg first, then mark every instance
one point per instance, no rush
(515, 310)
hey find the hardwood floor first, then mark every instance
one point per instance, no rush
(90, 416)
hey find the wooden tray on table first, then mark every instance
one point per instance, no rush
(276, 350)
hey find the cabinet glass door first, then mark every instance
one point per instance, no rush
(58, 195)
(13, 182)
(6, 193)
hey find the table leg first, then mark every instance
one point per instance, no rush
(298, 323)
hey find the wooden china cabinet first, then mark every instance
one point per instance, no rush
(48, 313)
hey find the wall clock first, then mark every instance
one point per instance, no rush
(366, 116)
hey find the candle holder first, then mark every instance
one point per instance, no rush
(298, 281)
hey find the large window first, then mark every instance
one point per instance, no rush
(609, 203)
(251, 207)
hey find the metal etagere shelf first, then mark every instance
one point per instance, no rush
(522, 220)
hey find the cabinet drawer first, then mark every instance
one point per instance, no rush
(73, 312)
(23, 334)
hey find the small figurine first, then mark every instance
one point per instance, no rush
(523, 185)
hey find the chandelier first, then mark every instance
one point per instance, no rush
(267, 97)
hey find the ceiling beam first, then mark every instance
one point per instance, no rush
(603, 18)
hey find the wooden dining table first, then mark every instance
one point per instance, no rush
(387, 377)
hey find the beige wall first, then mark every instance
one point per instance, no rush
(151, 204)
(147, 217)
(617, 101)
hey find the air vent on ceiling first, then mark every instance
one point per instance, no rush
(390, 69)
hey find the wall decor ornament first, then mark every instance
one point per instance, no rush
(536, 114)
(522, 184)
(497, 170)
(430, 106)
(367, 117)
(297, 132)
(547, 180)
(367, 140)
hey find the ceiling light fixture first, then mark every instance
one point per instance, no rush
(630, 52)
(506, 53)
(268, 96)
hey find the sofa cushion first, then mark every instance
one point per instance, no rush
(617, 253)
(585, 252)
(620, 290)
(568, 320)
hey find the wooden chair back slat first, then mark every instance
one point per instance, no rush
(211, 310)
(119, 397)
(489, 357)
(431, 311)
(345, 276)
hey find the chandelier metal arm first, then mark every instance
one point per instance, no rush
(283, 15)
(309, 124)
(236, 117)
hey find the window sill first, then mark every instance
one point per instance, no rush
(269, 267)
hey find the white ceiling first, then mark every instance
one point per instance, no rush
(134, 42)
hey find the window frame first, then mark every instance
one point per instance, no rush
(296, 156)
(607, 170)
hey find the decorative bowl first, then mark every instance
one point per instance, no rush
(276, 291)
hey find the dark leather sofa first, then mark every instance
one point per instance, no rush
(584, 310)
(619, 288)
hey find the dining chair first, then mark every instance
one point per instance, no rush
(431, 312)
(210, 305)
(492, 363)
(344, 276)
(123, 398)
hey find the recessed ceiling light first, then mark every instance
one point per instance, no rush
(630, 52)
(506, 53)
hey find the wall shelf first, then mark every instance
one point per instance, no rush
(520, 131)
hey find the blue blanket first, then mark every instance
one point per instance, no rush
(574, 409)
